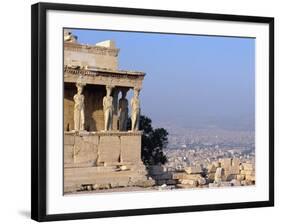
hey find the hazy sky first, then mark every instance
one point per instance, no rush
(191, 80)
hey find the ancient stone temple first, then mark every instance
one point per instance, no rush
(100, 150)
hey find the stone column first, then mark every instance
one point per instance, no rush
(79, 113)
(115, 108)
(123, 111)
(135, 107)
(108, 109)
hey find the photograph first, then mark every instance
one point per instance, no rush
(155, 111)
(137, 112)
(147, 111)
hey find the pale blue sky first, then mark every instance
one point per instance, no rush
(190, 80)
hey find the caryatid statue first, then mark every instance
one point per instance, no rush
(108, 109)
(123, 111)
(135, 106)
(79, 115)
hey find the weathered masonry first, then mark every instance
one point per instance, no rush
(99, 148)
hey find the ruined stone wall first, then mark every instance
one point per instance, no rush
(94, 117)
(82, 55)
(102, 148)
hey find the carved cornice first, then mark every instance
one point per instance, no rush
(91, 49)
(105, 73)
(117, 81)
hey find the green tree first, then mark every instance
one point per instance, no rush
(153, 142)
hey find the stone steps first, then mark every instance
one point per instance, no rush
(75, 178)
(99, 172)
(95, 176)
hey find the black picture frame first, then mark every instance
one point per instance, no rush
(38, 110)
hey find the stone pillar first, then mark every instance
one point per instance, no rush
(115, 108)
(79, 110)
(123, 111)
(135, 107)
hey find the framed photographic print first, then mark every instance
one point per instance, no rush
(140, 111)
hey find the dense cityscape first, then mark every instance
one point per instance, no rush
(189, 147)
(209, 157)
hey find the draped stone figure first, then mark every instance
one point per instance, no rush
(108, 109)
(135, 106)
(79, 115)
(123, 112)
